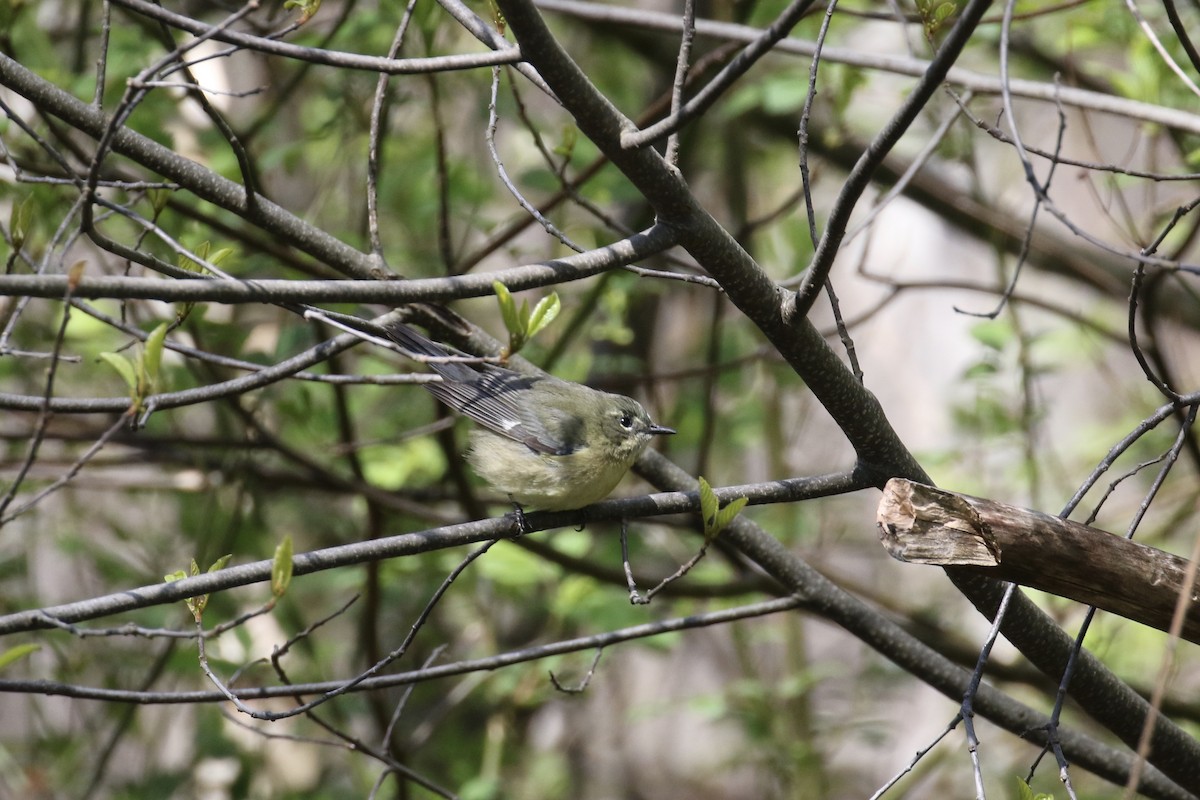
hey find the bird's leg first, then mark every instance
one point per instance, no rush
(519, 512)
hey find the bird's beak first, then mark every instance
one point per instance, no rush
(659, 430)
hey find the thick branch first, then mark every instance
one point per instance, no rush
(855, 410)
(419, 542)
(887, 638)
(923, 525)
(425, 290)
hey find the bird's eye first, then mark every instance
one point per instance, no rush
(627, 421)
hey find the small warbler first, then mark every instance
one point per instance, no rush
(547, 443)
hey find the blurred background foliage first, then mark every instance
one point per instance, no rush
(1019, 408)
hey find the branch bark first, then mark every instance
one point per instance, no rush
(923, 525)
(881, 453)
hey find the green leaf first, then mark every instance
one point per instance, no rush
(183, 310)
(543, 314)
(20, 220)
(197, 604)
(727, 514)
(158, 200)
(566, 145)
(1025, 792)
(508, 307)
(14, 654)
(995, 334)
(221, 255)
(187, 263)
(717, 519)
(194, 604)
(522, 323)
(124, 368)
(307, 8)
(153, 355)
(983, 369)
(708, 504)
(281, 567)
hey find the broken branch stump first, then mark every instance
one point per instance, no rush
(925, 525)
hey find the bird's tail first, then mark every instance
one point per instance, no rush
(421, 347)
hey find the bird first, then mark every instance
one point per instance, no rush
(546, 443)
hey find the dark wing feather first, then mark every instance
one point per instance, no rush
(494, 397)
(498, 399)
(423, 347)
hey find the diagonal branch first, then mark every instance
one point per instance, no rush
(864, 170)
(881, 454)
(422, 541)
(618, 254)
(855, 410)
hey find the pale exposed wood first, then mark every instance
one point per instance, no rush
(924, 525)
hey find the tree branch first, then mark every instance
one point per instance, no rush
(331, 58)
(422, 541)
(922, 525)
(424, 290)
(979, 83)
(880, 452)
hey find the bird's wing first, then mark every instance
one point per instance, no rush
(494, 397)
(498, 399)
(422, 346)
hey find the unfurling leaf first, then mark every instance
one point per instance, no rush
(153, 356)
(717, 519)
(727, 514)
(308, 8)
(158, 197)
(508, 307)
(124, 368)
(20, 220)
(543, 314)
(281, 567)
(523, 324)
(220, 562)
(14, 654)
(708, 504)
(196, 604)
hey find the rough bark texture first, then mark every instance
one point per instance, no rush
(924, 525)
